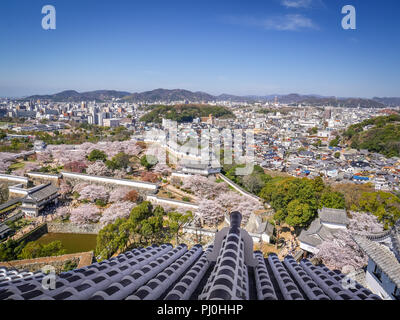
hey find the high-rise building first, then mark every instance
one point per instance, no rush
(327, 113)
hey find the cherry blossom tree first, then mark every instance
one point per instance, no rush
(156, 154)
(213, 211)
(210, 212)
(132, 148)
(80, 186)
(204, 187)
(115, 211)
(176, 182)
(85, 214)
(4, 166)
(113, 148)
(340, 252)
(63, 154)
(98, 168)
(162, 169)
(65, 188)
(119, 174)
(63, 212)
(132, 196)
(44, 156)
(75, 166)
(233, 201)
(119, 194)
(94, 192)
(6, 159)
(29, 166)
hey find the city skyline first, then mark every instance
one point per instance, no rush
(257, 48)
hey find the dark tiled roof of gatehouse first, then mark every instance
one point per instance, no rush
(227, 270)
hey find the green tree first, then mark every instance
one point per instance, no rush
(96, 155)
(333, 200)
(119, 161)
(35, 250)
(253, 183)
(109, 240)
(299, 214)
(175, 222)
(280, 216)
(143, 227)
(10, 250)
(295, 201)
(148, 223)
(148, 161)
(318, 143)
(334, 142)
(384, 205)
(318, 184)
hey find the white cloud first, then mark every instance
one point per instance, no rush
(296, 3)
(289, 22)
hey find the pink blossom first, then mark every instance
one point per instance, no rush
(44, 156)
(340, 251)
(85, 214)
(63, 154)
(203, 187)
(115, 211)
(80, 186)
(63, 212)
(29, 166)
(119, 174)
(98, 169)
(210, 212)
(94, 192)
(162, 168)
(119, 194)
(65, 188)
(213, 211)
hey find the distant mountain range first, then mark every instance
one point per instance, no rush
(74, 96)
(388, 101)
(158, 95)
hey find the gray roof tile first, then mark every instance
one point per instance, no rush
(228, 270)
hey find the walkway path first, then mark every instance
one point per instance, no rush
(181, 193)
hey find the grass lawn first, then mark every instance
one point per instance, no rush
(17, 165)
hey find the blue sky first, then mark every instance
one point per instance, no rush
(238, 47)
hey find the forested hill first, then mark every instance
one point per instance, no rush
(185, 113)
(381, 135)
(166, 95)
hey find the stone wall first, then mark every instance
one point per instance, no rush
(13, 179)
(142, 187)
(59, 227)
(82, 259)
(37, 266)
(173, 203)
(239, 189)
(39, 179)
(34, 234)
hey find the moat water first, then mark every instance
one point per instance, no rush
(72, 242)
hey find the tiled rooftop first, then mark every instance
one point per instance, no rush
(329, 215)
(383, 249)
(227, 270)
